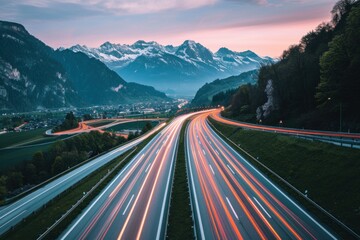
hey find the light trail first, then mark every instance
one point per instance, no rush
(260, 208)
(216, 116)
(141, 192)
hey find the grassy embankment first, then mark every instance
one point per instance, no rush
(131, 125)
(330, 173)
(180, 220)
(37, 223)
(22, 140)
(100, 123)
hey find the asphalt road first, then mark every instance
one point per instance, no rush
(135, 204)
(292, 131)
(15, 212)
(233, 200)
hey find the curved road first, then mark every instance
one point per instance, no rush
(135, 204)
(292, 131)
(233, 200)
(15, 212)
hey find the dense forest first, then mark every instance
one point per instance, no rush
(315, 84)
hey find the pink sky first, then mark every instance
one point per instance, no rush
(267, 27)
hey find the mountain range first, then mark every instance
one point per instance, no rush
(35, 76)
(204, 95)
(173, 69)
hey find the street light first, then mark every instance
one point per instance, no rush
(340, 114)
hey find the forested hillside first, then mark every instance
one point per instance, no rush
(316, 83)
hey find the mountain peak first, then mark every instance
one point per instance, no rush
(139, 42)
(15, 27)
(189, 42)
(248, 53)
(106, 44)
(195, 51)
(166, 65)
(224, 51)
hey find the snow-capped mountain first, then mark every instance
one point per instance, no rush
(182, 69)
(35, 76)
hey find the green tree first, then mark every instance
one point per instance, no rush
(87, 117)
(146, 128)
(70, 122)
(340, 70)
(3, 190)
(332, 63)
(14, 180)
(30, 173)
(39, 161)
(58, 165)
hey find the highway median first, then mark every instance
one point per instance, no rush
(180, 223)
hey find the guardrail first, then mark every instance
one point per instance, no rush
(343, 139)
(297, 191)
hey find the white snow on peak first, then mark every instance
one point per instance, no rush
(118, 56)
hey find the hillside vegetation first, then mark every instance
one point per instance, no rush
(316, 83)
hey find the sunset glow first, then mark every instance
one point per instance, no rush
(267, 27)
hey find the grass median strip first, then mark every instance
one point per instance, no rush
(328, 173)
(180, 220)
(37, 223)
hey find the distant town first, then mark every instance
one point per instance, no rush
(48, 118)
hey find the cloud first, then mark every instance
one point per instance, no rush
(271, 20)
(54, 9)
(151, 6)
(256, 2)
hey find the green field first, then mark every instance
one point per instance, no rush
(12, 138)
(330, 173)
(13, 157)
(100, 123)
(46, 140)
(131, 126)
(25, 150)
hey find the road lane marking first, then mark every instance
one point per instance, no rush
(203, 151)
(199, 142)
(216, 152)
(88, 209)
(147, 168)
(157, 151)
(13, 218)
(230, 169)
(127, 206)
(232, 209)
(212, 169)
(262, 207)
(127, 174)
(275, 187)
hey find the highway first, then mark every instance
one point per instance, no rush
(232, 200)
(135, 204)
(292, 131)
(85, 126)
(15, 212)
